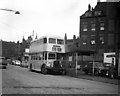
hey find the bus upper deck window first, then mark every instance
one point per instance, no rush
(44, 40)
(60, 41)
(52, 40)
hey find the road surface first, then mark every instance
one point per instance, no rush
(18, 80)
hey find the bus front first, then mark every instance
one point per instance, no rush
(55, 50)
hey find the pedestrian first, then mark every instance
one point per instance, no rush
(111, 71)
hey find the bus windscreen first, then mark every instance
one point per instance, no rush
(51, 56)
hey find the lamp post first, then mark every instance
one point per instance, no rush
(16, 12)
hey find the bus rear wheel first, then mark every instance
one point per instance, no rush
(44, 70)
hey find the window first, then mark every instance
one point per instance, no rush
(84, 26)
(98, 13)
(52, 40)
(60, 41)
(102, 26)
(87, 14)
(85, 29)
(40, 58)
(45, 56)
(44, 40)
(51, 56)
(101, 39)
(84, 43)
(92, 42)
(84, 40)
(36, 57)
(31, 57)
(93, 27)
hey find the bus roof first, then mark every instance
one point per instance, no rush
(48, 36)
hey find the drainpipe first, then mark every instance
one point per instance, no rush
(93, 64)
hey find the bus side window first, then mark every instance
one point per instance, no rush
(31, 57)
(44, 40)
(39, 58)
(45, 56)
(36, 57)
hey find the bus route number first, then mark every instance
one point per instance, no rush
(56, 48)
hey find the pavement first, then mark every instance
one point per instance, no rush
(82, 75)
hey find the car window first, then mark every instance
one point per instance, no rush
(99, 65)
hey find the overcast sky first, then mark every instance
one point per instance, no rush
(55, 17)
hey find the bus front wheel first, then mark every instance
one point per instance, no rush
(44, 70)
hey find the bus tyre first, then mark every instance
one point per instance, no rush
(44, 70)
(30, 68)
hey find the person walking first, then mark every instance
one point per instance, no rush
(111, 71)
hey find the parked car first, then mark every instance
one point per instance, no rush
(99, 69)
(17, 62)
(24, 64)
(3, 62)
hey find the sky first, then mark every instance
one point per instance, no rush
(44, 17)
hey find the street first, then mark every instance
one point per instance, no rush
(18, 80)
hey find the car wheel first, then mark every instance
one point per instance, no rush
(44, 70)
(96, 73)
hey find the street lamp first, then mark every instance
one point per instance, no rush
(16, 12)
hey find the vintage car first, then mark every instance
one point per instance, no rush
(3, 62)
(99, 69)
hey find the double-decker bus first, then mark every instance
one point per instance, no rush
(43, 53)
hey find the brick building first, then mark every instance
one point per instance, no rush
(9, 49)
(99, 29)
(14, 50)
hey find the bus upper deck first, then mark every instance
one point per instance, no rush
(48, 43)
